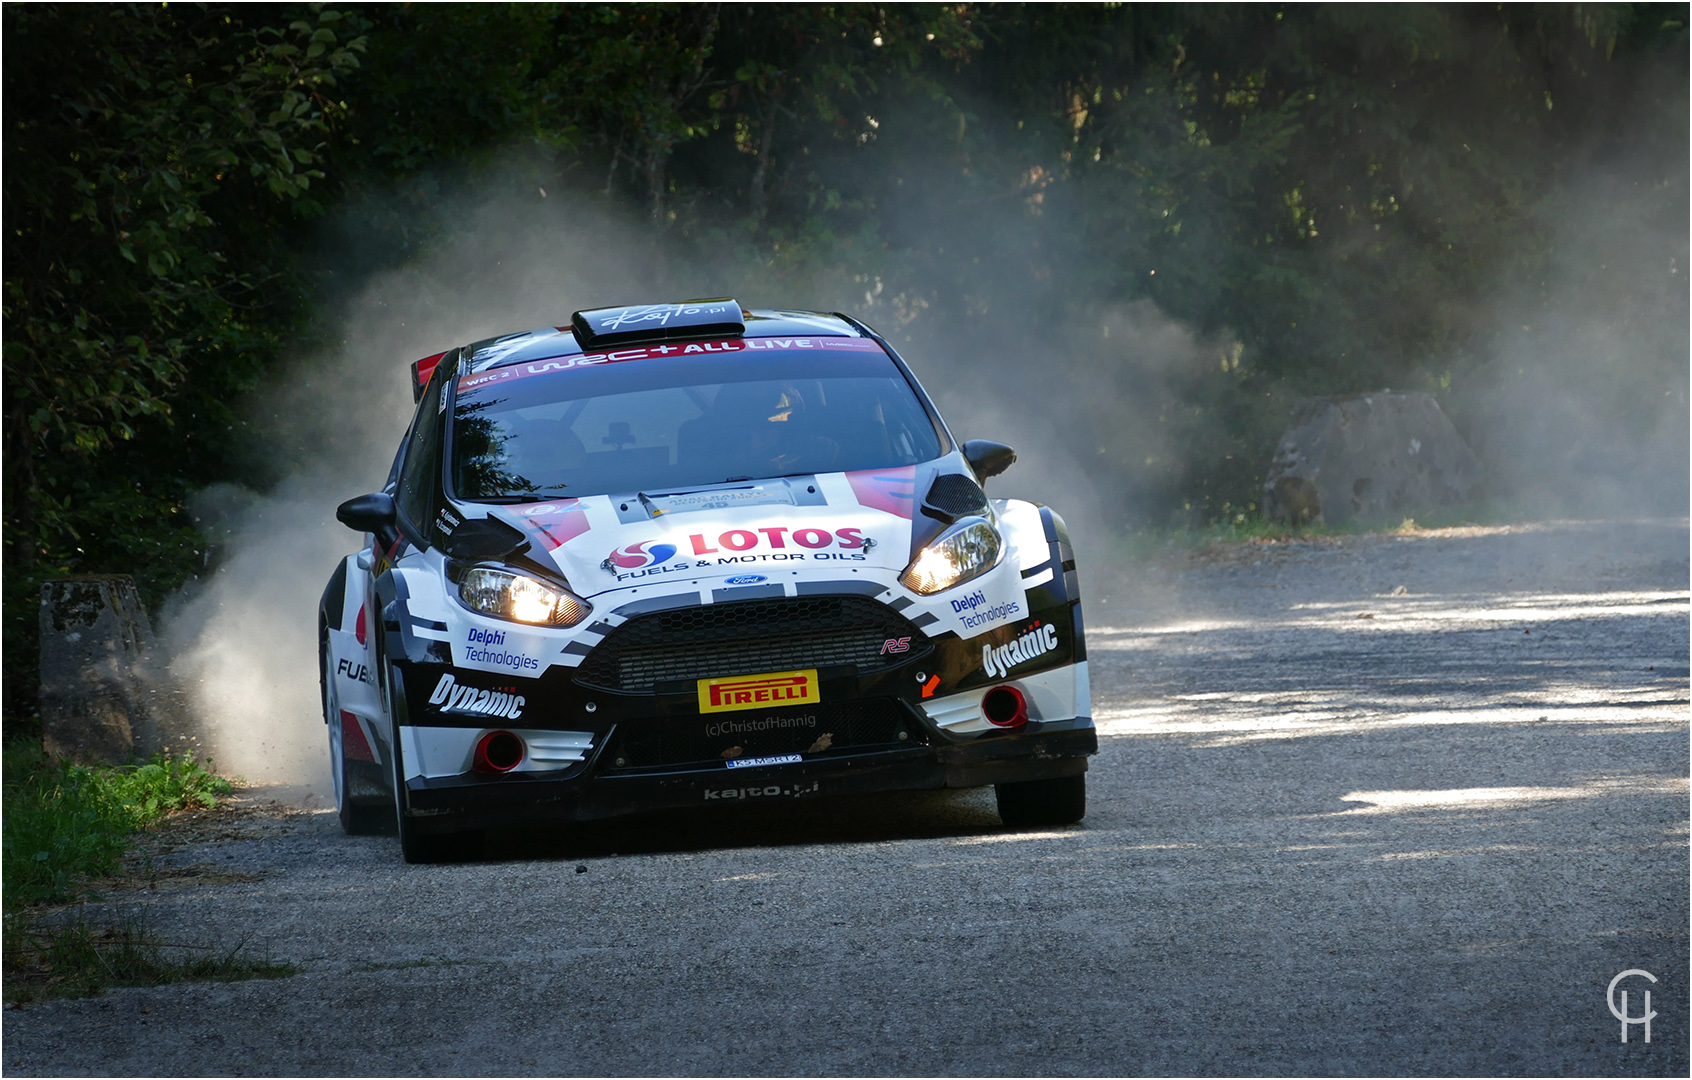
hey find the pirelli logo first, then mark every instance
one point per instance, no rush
(758, 691)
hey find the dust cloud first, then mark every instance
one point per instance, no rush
(243, 639)
(1082, 398)
(1581, 407)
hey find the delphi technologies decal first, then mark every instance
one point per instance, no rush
(983, 608)
(706, 551)
(510, 652)
(1035, 642)
(450, 697)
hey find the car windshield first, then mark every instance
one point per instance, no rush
(676, 421)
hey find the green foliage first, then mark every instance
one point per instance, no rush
(66, 827)
(156, 155)
(65, 824)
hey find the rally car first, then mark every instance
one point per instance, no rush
(681, 555)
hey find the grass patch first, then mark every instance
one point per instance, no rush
(66, 828)
(74, 959)
(66, 825)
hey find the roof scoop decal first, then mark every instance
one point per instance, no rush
(604, 327)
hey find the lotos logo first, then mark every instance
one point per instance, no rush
(641, 555)
(777, 538)
(759, 691)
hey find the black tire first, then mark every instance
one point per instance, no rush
(417, 846)
(358, 817)
(1059, 801)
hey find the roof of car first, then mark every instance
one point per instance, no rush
(550, 341)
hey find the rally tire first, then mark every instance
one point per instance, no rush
(417, 846)
(357, 818)
(1059, 801)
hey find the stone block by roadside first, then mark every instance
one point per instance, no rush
(103, 696)
(1368, 455)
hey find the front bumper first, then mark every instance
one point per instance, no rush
(451, 804)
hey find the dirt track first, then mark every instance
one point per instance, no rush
(1380, 805)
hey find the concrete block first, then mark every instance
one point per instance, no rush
(1373, 455)
(103, 698)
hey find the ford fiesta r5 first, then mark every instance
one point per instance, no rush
(692, 555)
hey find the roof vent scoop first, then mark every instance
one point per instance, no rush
(604, 328)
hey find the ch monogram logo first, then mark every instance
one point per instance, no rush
(1621, 1013)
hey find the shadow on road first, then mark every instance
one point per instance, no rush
(906, 815)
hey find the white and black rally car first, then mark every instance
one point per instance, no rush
(686, 555)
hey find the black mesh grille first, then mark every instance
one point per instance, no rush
(957, 495)
(747, 637)
(810, 730)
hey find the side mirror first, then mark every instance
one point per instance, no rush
(373, 513)
(988, 458)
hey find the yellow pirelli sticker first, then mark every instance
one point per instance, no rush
(758, 691)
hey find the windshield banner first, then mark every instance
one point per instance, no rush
(677, 348)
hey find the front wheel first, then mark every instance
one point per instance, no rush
(417, 846)
(358, 817)
(1059, 801)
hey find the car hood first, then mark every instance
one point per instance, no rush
(826, 526)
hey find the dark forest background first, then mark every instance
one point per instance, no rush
(1327, 198)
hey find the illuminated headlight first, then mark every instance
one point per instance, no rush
(520, 598)
(966, 550)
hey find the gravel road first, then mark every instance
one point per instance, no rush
(1380, 805)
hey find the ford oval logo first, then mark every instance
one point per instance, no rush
(746, 579)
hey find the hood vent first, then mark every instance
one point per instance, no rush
(953, 496)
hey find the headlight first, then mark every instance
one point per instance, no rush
(520, 598)
(968, 549)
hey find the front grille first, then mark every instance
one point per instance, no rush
(809, 730)
(747, 637)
